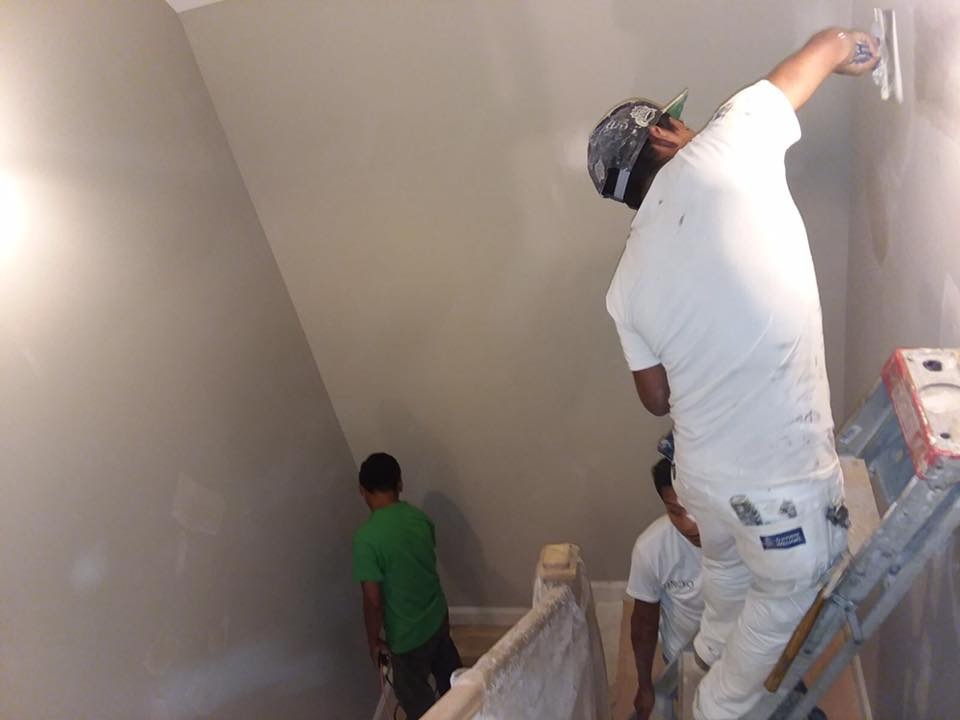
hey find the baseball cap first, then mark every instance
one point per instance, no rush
(616, 141)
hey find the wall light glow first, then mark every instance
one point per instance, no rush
(12, 219)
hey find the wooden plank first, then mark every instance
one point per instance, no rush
(860, 501)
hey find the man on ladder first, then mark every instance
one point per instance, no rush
(716, 304)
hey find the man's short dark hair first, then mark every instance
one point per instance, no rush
(380, 473)
(662, 476)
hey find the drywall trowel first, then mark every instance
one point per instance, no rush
(886, 74)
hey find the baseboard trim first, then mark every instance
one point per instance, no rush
(603, 592)
(609, 591)
(499, 616)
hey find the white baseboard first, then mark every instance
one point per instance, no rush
(499, 616)
(603, 592)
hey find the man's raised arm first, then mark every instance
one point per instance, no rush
(834, 50)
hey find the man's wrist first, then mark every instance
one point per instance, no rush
(845, 46)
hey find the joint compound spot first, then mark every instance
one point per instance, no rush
(182, 547)
(788, 508)
(721, 111)
(746, 512)
(197, 508)
(89, 568)
(161, 654)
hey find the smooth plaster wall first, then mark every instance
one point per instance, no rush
(904, 273)
(419, 170)
(147, 343)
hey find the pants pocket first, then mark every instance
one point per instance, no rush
(781, 552)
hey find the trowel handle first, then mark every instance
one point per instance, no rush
(792, 649)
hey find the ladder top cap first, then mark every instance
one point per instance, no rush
(924, 389)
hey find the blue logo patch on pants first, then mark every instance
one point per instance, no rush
(784, 540)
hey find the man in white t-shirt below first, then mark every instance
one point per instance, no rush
(716, 304)
(665, 585)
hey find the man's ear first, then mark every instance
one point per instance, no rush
(663, 139)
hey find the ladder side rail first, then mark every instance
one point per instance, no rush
(858, 579)
(899, 431)
(935, 537)
(902, 522)
(665, 688)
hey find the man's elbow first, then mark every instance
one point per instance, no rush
(656, 406)
(655, 400)
(653, 389)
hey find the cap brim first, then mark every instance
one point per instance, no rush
(675, 107)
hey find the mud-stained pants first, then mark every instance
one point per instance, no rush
(758, 579)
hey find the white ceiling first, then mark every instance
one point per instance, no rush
(184, 5)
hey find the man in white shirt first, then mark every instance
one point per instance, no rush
(665, 585)
(717, 307)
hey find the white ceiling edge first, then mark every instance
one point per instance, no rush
(184, 5)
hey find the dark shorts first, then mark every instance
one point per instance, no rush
(438, 656)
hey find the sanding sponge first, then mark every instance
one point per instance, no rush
(886, 74)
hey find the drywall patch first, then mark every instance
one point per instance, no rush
(161, 654)
(196, 507)
(878, 220)
(949, 314)
(90, 568)
(183, 545)
(937, 72)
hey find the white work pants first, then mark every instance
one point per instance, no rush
(757, 580)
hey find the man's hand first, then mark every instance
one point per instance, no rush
(643, 701)
(834, 50)
(863, 56)
(378, 648)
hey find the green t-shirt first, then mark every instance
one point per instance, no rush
(396, 547)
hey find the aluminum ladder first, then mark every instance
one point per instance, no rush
(907, 433)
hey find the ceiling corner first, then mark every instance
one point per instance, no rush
(184, 5)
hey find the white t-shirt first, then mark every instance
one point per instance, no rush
(665, 568)
(717, 284)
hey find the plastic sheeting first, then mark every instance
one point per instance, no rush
(549, 673)
(550, 666)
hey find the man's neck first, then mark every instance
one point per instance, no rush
(378, 501)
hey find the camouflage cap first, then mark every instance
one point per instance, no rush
(616, 141)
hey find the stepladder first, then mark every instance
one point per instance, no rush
(904, 441)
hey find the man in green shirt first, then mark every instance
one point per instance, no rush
(395, 562)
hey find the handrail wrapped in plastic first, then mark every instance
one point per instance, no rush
(549, 665)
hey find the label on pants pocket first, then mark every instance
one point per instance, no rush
(784, 540)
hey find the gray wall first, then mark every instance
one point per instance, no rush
(177, 492)
(419, 171)
(903, 277)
